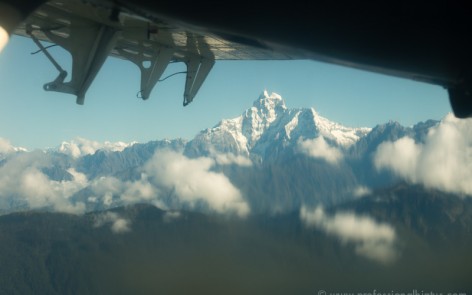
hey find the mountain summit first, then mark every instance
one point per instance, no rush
(268, 106)
(269, 125)
(265, 110)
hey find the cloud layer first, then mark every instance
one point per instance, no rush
(193, 182)
(319, 148)
(372, 240)
(23, 182)
(190, 182)
(81, 147)
(5, 146)
(169, 180)
(443, 161)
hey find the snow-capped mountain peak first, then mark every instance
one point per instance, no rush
(269, 123)
(269, 103)
(342, 135)
(265, 110)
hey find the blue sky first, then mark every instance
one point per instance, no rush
(33, 118)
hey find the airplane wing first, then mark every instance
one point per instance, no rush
(411, 39)
(91, 33)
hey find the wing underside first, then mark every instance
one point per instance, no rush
(91, 33)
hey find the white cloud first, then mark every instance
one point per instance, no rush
(103, 189)
(400, 156)
(40, 191)
(361, 191)
(106, 188)
(171, 216)
(5, 146)
(193, 182)
(120, 226)
(141, 190)
(443, 162)
(21, 178)
(228, 159)
(372, 240)
(117, 224)
(106, 184)
(107, 199)
(319, 148)
(81, 147)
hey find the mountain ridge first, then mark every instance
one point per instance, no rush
(267, 120)
(271, 157)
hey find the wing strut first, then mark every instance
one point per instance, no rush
(150, 75)
(198, 68)
(89, 46)
(62, 73)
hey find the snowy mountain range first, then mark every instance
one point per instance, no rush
(269, 126)
(269, 159)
